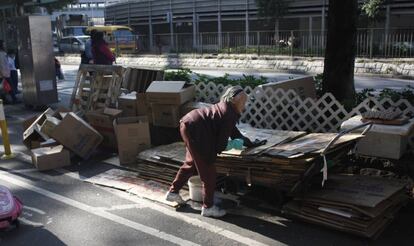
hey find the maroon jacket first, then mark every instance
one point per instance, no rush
(210, 128)
(102, 55)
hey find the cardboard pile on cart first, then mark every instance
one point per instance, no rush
(53, 135)
(271, 165)
(361, 205)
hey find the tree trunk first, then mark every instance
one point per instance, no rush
(338, 75)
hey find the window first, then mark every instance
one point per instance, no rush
(123, 35)
(84, 5)
(101, 5)
(74, 31)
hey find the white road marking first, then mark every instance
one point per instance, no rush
(29, 170)
(122, 207)
(35, 210)
(190, 220)
(24, 183)
(31, 223)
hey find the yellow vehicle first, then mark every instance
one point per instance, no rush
(119, 38)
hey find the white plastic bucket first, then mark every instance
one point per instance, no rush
(195, 185)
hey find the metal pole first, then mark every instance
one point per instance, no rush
(371, 41)
(310, 33)
(219, 25)
(151, 38)
(247, 23)
(323, 23)
(5, 134)
(387, 29)
(171, 26)
(195, 21)
(129, 14)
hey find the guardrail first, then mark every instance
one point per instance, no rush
(371, 43)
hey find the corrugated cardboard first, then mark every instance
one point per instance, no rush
(77, 135)
(49, 143)
(128, 105)
(142, 106)
(49, 125)
(32, 136)
(170, 92)
(304, 87)
(60, 112)
(133, 136)
(28, 122)
(102, 121)
(50, 157)
(165, 115)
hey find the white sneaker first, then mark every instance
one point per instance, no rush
(174, 197)
(213, 211)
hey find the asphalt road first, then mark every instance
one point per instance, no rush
(62, 209)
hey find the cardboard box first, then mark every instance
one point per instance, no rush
(133, 136)
(143, 108)
(28, 122)
(77, 135)
(50, 157)
(102, 120)
(48, 143)
(32, 135)
(170, 92)
(60, 112)
(304, 87)
(49, 125)
(128, 105)
(165, 115)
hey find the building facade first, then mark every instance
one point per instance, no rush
(234, 20)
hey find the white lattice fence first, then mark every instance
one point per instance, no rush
(285, 110)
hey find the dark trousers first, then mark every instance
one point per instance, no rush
(193, 162)
(13, 83)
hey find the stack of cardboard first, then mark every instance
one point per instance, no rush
(257, 166)
(127, 135)
(166, 99)
(133, 136)
(53, 134)
(161, 163)
(102, 120)
(361, 205)
(136, 82)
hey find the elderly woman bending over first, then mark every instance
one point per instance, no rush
(205, 133)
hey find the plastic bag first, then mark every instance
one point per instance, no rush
(5, 86)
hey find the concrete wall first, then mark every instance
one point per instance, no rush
(387, 67)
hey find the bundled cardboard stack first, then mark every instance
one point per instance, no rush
(127, 135)
(166, 99)
(53, 134)
(257, 166)
(361, 205)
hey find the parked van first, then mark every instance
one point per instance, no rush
(119, 38)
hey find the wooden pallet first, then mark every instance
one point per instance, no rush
(138, 79)
(96, 86)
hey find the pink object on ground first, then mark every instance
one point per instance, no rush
(10, 208)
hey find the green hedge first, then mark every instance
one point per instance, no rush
(185, 75)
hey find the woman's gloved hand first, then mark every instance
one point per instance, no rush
(256, 143)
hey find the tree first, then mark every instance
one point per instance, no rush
(338, 75)
(272, 10)
(340, 52)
